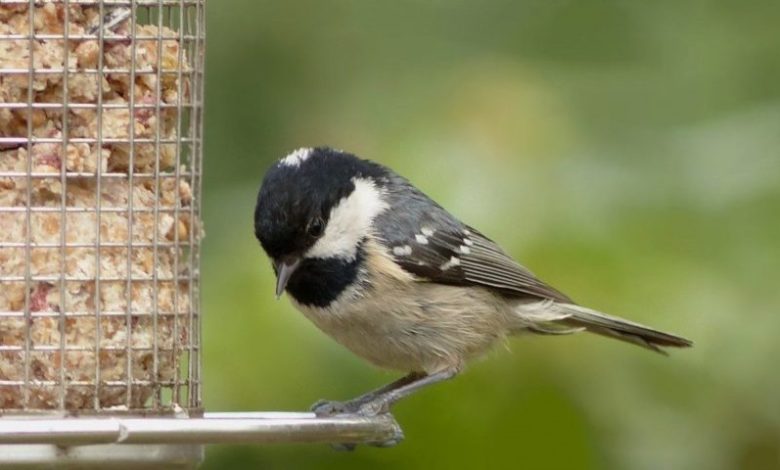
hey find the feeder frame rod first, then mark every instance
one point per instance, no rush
(212, 428)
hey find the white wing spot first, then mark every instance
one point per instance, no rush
(428, 232)
(467, 232)
(421, 239)
(297, 157)
(450, 264)
(465, 250)
(468, 242)
(405, 250)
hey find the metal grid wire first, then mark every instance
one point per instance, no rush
(100, 180)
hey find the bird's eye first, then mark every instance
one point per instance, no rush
(316, 227)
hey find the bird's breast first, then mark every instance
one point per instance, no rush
(397, 322)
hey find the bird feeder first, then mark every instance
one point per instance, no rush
(101, 126)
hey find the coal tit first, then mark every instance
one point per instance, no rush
(395, 278)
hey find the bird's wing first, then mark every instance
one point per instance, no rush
(427, 241)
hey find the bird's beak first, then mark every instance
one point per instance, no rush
(284, 270)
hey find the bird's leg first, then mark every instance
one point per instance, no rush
(380, 400)
(329, 408)
(381, 403)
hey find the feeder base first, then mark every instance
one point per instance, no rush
(114, 456)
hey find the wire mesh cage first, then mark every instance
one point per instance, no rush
(100, 177)
(101, 124)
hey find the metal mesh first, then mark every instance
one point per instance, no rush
(100, 179)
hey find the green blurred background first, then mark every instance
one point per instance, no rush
(626, 151)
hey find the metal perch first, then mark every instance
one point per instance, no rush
(136, 442)
(212, 428)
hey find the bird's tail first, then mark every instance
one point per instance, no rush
(564, 318)
(618, 328)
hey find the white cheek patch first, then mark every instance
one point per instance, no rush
(349, 222)
(297, 157)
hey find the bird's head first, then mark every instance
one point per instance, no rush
(316, 204)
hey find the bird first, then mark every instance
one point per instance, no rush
(398, 280)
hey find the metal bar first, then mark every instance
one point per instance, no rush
(77, 314)
(89, 383)
(82, 140)
(199, 64)
(53, 278)
(63, 214)
(98, 200)
(157, 395)
(44, 209)
(214, 428)
(130, 218)
(76, 174)
(61, 432)
(28, 215)
(75, 37)
(177, 216)
(36, 245)
(60, 106)
(102, 456)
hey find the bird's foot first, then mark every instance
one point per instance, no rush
(326, 408)
(376, 407)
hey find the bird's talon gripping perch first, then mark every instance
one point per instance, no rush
(374, 408)
(326, 408)
(362, 408)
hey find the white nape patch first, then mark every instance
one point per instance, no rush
(421, 239)
(405, 250)
(450, 264)
(465, 250)
(297, 157)
(349, 222)
(468, 242)
(428, 232)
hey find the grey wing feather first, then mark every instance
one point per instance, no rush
(487, 264)
(436, 247)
